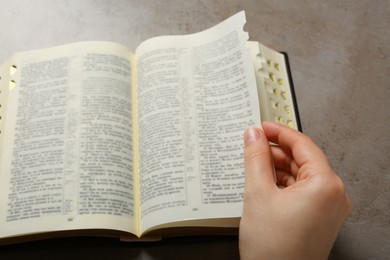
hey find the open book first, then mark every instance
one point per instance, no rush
(98, 140)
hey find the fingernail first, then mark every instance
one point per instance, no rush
(251, 135)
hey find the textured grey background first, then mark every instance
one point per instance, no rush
(340, 57)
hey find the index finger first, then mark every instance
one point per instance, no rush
(299, 146)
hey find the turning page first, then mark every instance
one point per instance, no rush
(196, 95)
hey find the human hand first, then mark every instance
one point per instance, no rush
(301, 220)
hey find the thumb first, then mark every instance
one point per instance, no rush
(259, 169)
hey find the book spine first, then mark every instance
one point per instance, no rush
(292, 89)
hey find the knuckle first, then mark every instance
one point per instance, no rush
(338, 186)
(254, 154)
(334, 188)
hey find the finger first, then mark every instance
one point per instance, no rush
(283, 161)
(259, 171)
(284, 178)
(300, 147)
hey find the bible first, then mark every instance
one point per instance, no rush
(98, 140)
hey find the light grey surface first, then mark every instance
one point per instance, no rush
(340, 57)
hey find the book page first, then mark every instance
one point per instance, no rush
(196, 95)
(67, 159)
